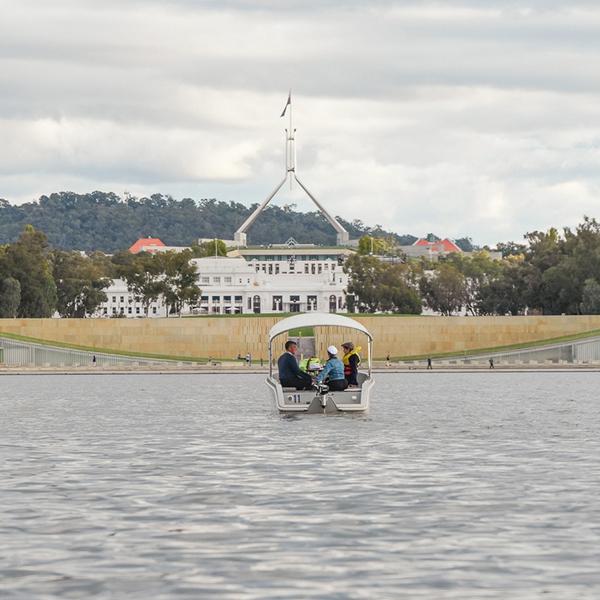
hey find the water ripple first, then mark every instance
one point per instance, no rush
(454, 486)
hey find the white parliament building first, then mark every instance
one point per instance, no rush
(284, 278)
(287, 278)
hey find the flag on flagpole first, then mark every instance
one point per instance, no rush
(289, 101)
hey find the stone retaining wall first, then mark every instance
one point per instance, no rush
(226, 337)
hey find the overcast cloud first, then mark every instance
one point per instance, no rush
(461, 118)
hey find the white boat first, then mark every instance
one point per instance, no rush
(290, 400)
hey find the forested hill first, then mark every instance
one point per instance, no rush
(107, 222)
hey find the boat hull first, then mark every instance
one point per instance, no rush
(288, 400)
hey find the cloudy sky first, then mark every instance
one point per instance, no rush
(463, 117)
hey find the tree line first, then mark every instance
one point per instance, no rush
(37, 280)
(107, 222)
(552, 273)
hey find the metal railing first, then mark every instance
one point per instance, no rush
(14, 353)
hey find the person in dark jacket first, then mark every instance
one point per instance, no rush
(290, 374)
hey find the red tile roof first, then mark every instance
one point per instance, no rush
(146, 245)
(445, 245)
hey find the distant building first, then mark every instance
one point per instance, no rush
(273, 280)
(444, 246)
(430, 249)
(121, 302)
(154, 245)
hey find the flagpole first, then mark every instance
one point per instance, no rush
(292, 143)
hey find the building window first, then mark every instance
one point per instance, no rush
(312, 268)
(137, 310)
(129, 310)
(256, 304)
(238, 299)
(216, 299)
(277, 303)
(216, 309)
(204, 299)
(227, 299)
(122, 299)
(311, 303)
(270, 269)
(277, 269)
(340, 305)
(154, 310)
(114, 311)
(114, 298)
(205, 280)
(320, 268)
(332, 304)
(294, 303)
(105, 310)
(306, 268)
(249, 303)
(227, 280)
(217, 280)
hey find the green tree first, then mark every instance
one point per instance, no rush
(212, 248)
(590, 304)
(444, 290)
(10, 297)
(364, 275)
(370, 245)
(508, 291)
(144, 275)
(377, 286)
(478, 269)
(80, 281)
(180, 280)
(27, 261)
(395, 293)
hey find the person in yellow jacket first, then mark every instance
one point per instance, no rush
(351, 360)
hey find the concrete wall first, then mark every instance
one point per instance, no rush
(221, 337)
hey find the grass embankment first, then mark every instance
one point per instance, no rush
(66, 346)
(499, 349)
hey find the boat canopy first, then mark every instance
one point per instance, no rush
(316, 319)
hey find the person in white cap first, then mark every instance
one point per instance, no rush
(333, 372)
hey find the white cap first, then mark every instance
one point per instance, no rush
(332, 350)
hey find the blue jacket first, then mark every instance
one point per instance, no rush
(334, 368)
(288, 367)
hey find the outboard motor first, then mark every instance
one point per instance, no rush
(322, 390)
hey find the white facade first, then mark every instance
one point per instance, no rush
(120, 301)
(272, 280)
(252, 280)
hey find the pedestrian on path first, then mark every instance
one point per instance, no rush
(491, 361)
(429, 367)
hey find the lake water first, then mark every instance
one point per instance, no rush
(482, 485)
